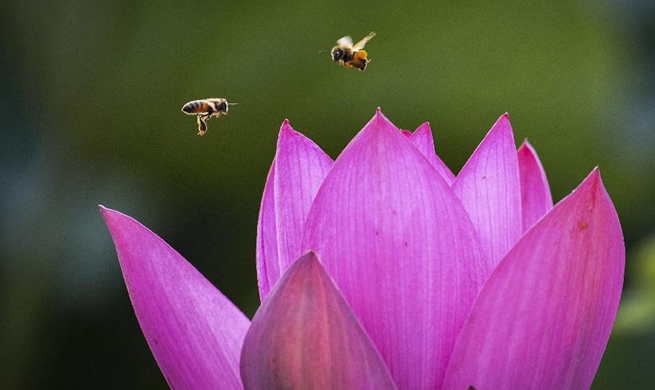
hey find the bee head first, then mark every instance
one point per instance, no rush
(337, 53)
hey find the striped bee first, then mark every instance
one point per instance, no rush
(205, 109)
(351, 55)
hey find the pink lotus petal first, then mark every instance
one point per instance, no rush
(306, 337)
(535, 192)
(194, 332)
(490, 190)
(268, 266)
(543, 319)
(424, 142)
(401, 249)
(299, 169)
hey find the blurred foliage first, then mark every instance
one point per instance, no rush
(91, 93)
(628, 361)
(637, 312)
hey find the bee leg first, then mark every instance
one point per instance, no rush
(202, 125)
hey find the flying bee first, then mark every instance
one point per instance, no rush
(351, 55)
(205, 109)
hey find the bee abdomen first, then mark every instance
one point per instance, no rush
(193, 107)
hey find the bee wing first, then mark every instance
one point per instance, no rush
(345, 42)
(360, 45)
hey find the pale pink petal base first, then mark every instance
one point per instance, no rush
(306, 337)
(401, 249)
(543, 319)
(536, 200)
(490, 190)
(194, 332)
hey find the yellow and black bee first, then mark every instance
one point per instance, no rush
(351, 55)
(205, 109)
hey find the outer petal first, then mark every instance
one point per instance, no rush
(490, 190)
(543, 319)
(400, 247)
(306, 337)
(299, 169)
(194, 332)
(268, 266)
(424, 142)
(535, 192)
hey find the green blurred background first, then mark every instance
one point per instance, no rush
(90, 108)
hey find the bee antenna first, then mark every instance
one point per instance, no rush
(324, 51)
(232, 104)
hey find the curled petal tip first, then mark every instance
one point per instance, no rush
(309, 256)
(594, 177)
(110, 215)
(310, 260)
(502, 125)
(285, 126)
(527, 149)
(380, 123)
(504, 118)
(591, 191)
(425, 128)
(380, 116)
(536, 199)
(105, 212)
(286, 131)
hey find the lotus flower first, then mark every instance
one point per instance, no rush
(382, 270)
